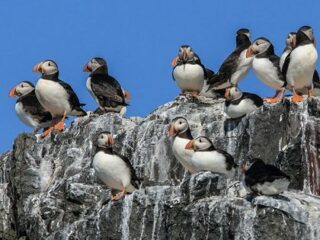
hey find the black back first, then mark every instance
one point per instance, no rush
(258, 101)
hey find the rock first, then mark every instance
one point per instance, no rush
(49, 190)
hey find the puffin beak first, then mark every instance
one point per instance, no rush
(37, 68)
(190, 145)
(110, 140)
(172, 130)
(227, 93)
(174, 62)
(249, 52)
(85, 68)
(13, 92)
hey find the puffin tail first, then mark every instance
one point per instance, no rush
(79, 112)
(130, 188)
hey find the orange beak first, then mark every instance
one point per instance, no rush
(13, 92)
(110, 140)
(189, 145)
(172, 130)
(249, 52)
(37, 68)
(227, 93)
(85, 68)
(174, 62)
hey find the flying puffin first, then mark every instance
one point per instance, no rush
(113, 169)
(290, 43)
(207, 158)
(264, 179)
(188, 71)
(28, 108)
(238, 103)
(180, 131)
(104, 88)
(56, 96)
(236, 66)
(299, 65)
(267, 68)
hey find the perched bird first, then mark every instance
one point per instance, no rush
(207, 158)
(238, 103)
(28, 108)
(180, 131)
(264, 179)
(236, 66)
(267, 68)
(113, 169)
(290, 44)
(300, 64)
(56, 96)
(104, 88)
(188, 71)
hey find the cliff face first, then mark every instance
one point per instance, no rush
(48, 189)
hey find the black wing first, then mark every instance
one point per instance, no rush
(106, 88)
(31, 103)
(73, 98)
(134, 177)
(230, 161)
(258, 101)
(276, 63)
(286, 66)
(316, 80)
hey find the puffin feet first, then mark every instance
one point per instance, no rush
(297, 98)
(118, 195)
(273, 99)
(46, 132)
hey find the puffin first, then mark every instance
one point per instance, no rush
(104, 88)
(188, 71)
(266, 66)
(299, 65)
(113, 169)
(207, 158)
(238, 103)
(28, 108)
(179, 130)
(236, 66)
(290, 43)
(264, 179)
(56, 96)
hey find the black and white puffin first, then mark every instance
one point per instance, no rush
(266, 67)
(238, 103)
(104, 88)
(264, 179)
(113, 169)
(188, 71)
(28, 108)
(236, 66)
(290, 43)
(299, 65)
(207, 158)
(180, 131)
(56, 96)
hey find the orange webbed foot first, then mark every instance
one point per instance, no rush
(46, 132)
(272, 100)
(59, 127)
(297, 98)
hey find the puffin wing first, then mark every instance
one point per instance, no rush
(286, 65)
(229, 159)
(316, 80)
(276, 63)
(134, 177)
(258, 101)
(73, 98)
(106, 87)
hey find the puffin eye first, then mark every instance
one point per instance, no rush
(101, 136)
(200, 140)
(180, 122)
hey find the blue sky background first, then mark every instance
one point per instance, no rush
(137, 38)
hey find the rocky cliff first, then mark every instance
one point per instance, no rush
(48, 189)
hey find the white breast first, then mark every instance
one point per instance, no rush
(189, 77)
(244, 107)
(183, 155)
(272, 188)
(25, 117)
(88, 84)
(211, 161)
(113, 171)
(301, 67)
(243, 68)
(53, 97)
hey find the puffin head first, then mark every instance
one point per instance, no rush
(47, 67)
(185, 55)
(96, 64)
(305, 33)
(178, 125)
(246, 165)
(244, 31)
(200, 144)
(105, 140)
(260, 45)
(21, 89)
(233, 93)
(291, 40)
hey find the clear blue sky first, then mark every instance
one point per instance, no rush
(138, 39)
